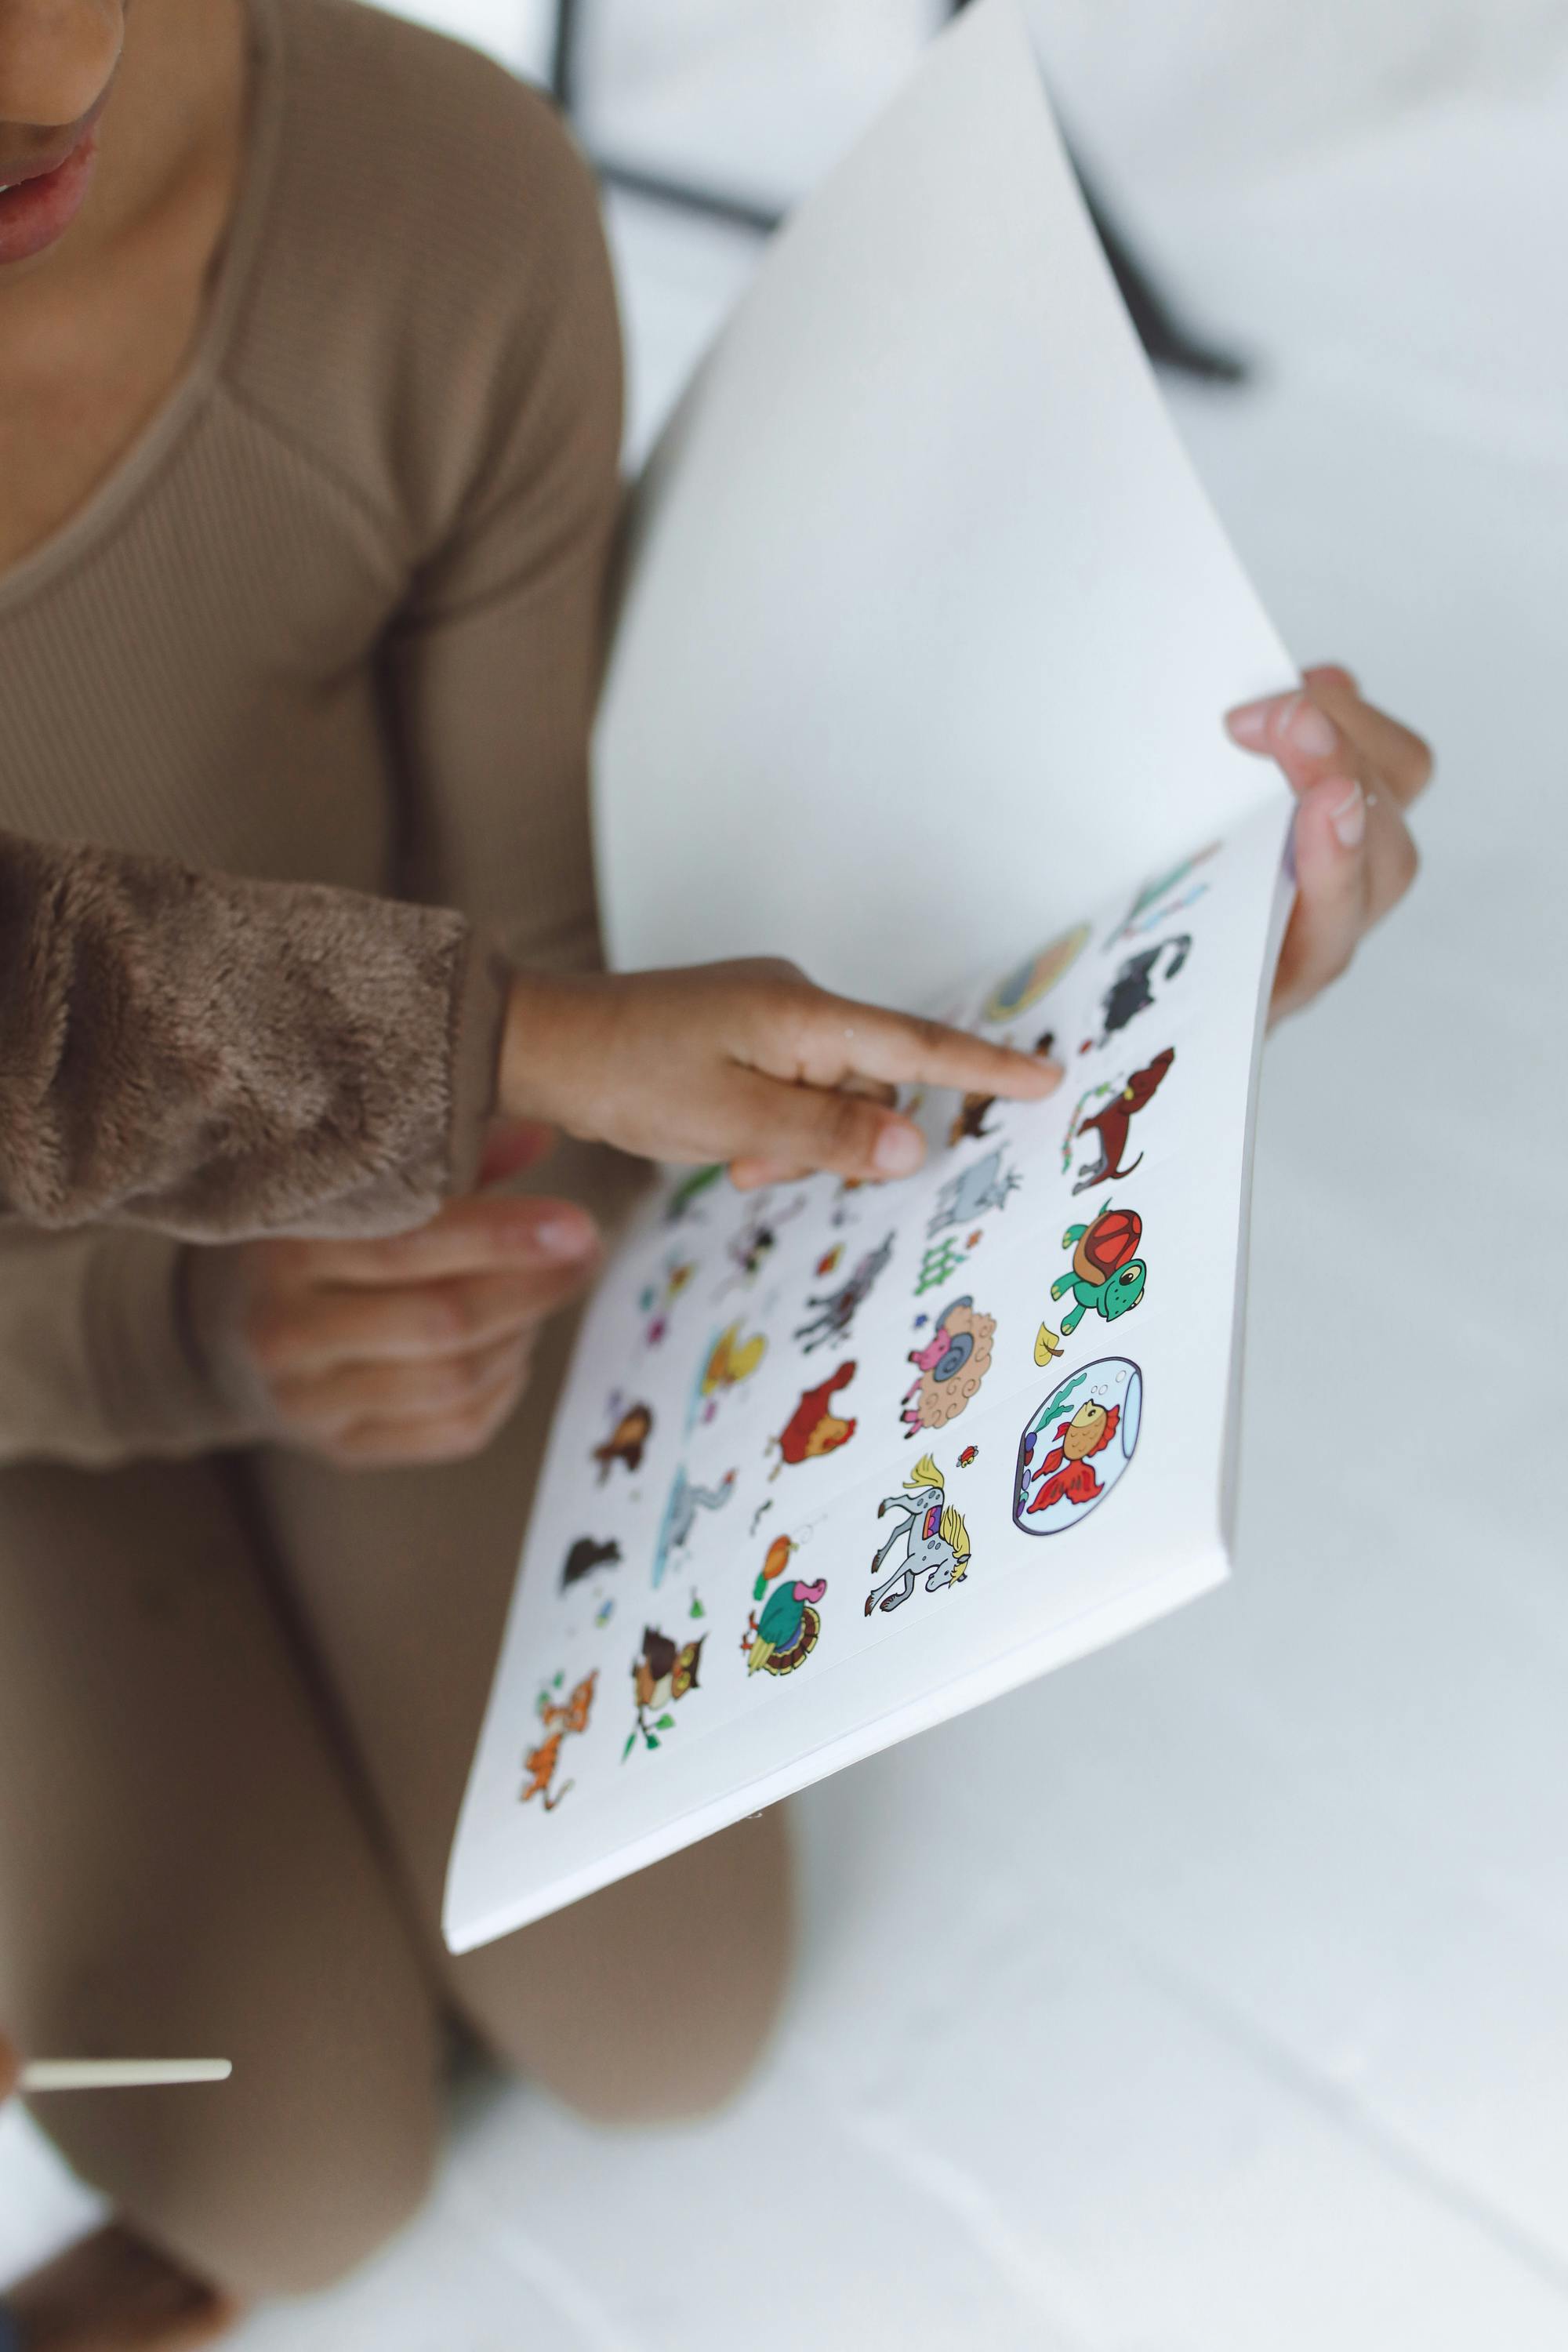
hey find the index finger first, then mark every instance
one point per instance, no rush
(866, 1041)
(468, 1236)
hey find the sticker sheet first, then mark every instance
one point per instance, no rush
(835, 1461)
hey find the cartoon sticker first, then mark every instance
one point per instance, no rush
(1111, 1123)
(985, 1184)
(558, 1720)
(1106, 1274)
(661, 1678)
(730, 1361)
(660, 1296)
(1131, 994)
(748, 1250)
(1162, 899)
(838, 1306)
(934, 1537)
(969, 1120)
(682, 1202)
(814, 1428)
(1077, 1446)
(585, 1556)
(626, 1441)
(952, 1365)
(786, 1632)
(1030, 982)
(680, 1516)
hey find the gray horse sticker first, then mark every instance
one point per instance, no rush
(934, 1537)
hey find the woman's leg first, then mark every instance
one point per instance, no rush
(184, 1872)
(651, 1999)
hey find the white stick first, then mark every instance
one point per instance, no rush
(119, 2073)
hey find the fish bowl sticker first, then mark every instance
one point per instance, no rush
(1024, 987)
(1077, 1446)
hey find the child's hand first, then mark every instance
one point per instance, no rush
(747, 1062)
(1355, 771)
(412, 1348)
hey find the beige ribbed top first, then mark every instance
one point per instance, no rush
(336, 618)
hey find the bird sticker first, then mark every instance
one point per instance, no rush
(783, 1630)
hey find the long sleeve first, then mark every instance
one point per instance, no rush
(217, 1057)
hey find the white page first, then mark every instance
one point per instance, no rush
(922, 657)
(928, 613)
(669, 1504)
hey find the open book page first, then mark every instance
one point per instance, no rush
(834, 1463)
(925, 642)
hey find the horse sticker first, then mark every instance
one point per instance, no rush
(1077, 1446)
(934, 1537)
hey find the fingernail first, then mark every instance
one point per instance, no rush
(1311, 731)
(1348, 815)
(1248, 722)
(561, 1236)
(900, 1150)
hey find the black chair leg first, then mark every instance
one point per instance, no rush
(1167, 340)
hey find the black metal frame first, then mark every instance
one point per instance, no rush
(1167, 341)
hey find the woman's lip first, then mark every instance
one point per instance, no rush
(36, 212)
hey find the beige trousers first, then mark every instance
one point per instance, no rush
(237, 1700)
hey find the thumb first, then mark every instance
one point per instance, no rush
(511, 1145)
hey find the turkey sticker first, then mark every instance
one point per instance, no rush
(1077, 1446)
(782, 1630)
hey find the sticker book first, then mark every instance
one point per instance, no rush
(918, 678)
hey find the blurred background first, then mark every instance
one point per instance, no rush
(1212, 1995)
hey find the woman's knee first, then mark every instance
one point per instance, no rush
(653, 2001)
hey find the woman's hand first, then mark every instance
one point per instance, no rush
(414, 1349)
(747, 1062)
(1355, 771)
